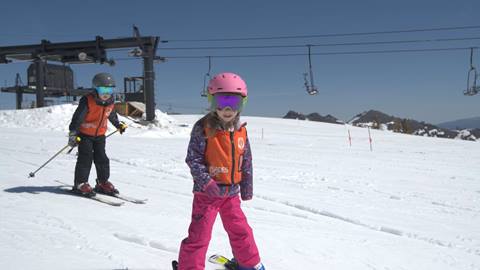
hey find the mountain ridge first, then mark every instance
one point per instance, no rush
(464, 123)
(378, 120)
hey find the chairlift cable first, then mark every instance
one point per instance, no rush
(328, 35)
(295, 54)
(388, 42)
(326, 53)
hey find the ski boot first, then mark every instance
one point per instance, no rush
(231, 264)
(84, 189)
(105, 187)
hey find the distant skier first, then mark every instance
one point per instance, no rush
(89, 124)
(220, 162)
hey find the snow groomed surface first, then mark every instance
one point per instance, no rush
(411, 203)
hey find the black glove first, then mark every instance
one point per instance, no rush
(122, 127)
(73, 139)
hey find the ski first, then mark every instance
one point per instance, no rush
(127, 198)
(223, 261)
(174, 265)
(217, 259)
(95, 198)
(118, 195)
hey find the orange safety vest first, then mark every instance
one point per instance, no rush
(95, 122)
(224, 155)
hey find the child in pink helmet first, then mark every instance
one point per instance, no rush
(220, 162)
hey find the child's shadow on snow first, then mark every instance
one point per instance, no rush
(37, 189)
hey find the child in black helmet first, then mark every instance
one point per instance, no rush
(87, 130)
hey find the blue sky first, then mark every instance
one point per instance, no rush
(421, 85)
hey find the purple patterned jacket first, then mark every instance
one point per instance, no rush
(198, 168)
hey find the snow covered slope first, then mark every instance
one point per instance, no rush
(411, 203)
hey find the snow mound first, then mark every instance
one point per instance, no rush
(163, 126)
(52, 118)
(58, 118)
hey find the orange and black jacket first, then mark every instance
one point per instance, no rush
(224, 157)
(90, 117)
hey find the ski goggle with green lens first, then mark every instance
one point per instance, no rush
(104, 90)
(221, 101)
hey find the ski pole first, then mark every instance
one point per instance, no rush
(32, 174)
(113, 132)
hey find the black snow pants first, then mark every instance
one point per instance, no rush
(91, 149)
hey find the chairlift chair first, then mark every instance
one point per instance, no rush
(310, 87)
(206, 79)
(472, 88)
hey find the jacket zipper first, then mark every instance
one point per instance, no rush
(101, 120)
(233, 158)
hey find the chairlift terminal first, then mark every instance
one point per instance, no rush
(46, 79)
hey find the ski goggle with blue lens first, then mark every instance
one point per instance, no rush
(221, 101)
(104, 90)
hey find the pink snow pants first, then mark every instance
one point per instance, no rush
(194, 248)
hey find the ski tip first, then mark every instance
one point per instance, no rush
(216, 255)
(218, 259)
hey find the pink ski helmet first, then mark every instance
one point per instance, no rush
(227, 83)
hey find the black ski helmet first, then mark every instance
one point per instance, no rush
(103, 79)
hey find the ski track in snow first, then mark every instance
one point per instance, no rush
(135, 239)
(46, 222)
(17, 150)
(383, 229)
(167, 171)
(455, 207)
(158, 171)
